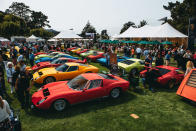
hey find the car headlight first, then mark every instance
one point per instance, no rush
(36, 78)
(41, 101)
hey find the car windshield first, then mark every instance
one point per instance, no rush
(62, 68)
(127, 62)
(77, 83)
(55, 61)
(163, 71)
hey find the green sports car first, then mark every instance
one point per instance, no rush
(85, 54)
(131, 65)
(45, 55)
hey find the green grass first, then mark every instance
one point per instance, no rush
(160, 111)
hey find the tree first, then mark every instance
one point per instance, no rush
(19, 9)
(142, 23)
(38, 20)
(40, 32)
(180, 14)
(8, 29)
(127, 25)
(104, 34)
(87, 29)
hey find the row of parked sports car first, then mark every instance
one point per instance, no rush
(85, 83)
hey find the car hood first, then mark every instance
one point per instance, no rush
(122, 65)
(58, 87)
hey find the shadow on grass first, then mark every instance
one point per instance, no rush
(187, 101)
(91, 106)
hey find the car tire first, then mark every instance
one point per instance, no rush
(115, 93)
(60, 105)
(134, 71)
(171, 83)
(49, 80)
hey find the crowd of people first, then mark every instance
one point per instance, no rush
(19, 75)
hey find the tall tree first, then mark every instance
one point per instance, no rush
(38, 20)
(87, 29)
(127, 25)
(104, 34)
(142, 23)
(40, 32)
(20, 9)
(180, 14)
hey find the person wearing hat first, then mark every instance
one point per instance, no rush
(10, 71)
(22, 86)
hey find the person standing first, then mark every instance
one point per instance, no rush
(31, 58)
(10, 71)
(23, 85)
(2, 80)
(189, 67)
(148, 61)
(159, 60)
(167, 58)
(5, 112)
(138, 52)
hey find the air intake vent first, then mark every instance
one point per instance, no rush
(46, 92)
(192, 79)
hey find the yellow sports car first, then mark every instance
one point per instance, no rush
(75, 50)
(63, 72)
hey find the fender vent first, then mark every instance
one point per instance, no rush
(46, 92)
(192, 79)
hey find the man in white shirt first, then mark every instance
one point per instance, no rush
(138, 51)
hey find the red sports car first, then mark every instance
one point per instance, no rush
(40, 53)
(56, 63)
(81, 51)
(96, 56)
(168, 76)
(85, 87)
(69, 49)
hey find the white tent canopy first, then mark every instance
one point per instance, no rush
(2, 39)
(67, 35)
(52, 40)
(32, 38)
(162, 31)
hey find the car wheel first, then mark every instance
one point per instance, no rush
(60, 105)
(115, 93)
(134, 71)
(49, 80)
(171, 84)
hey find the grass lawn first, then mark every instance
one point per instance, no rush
(160, 111)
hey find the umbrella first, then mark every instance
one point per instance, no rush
(144, 42)
(167, 43)
(155, 42)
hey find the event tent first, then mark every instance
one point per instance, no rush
(67, 35)
(52, 40)
(162, 31)
(2, 39)
(32, 38)
(187, 88)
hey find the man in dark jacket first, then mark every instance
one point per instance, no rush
(159, 60)
(23, 86)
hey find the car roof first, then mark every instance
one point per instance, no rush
(76, 64)
(92, 76)
(63, 58)
(168, 67)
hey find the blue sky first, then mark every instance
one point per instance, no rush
(103, 14)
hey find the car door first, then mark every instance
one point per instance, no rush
(93, 90)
